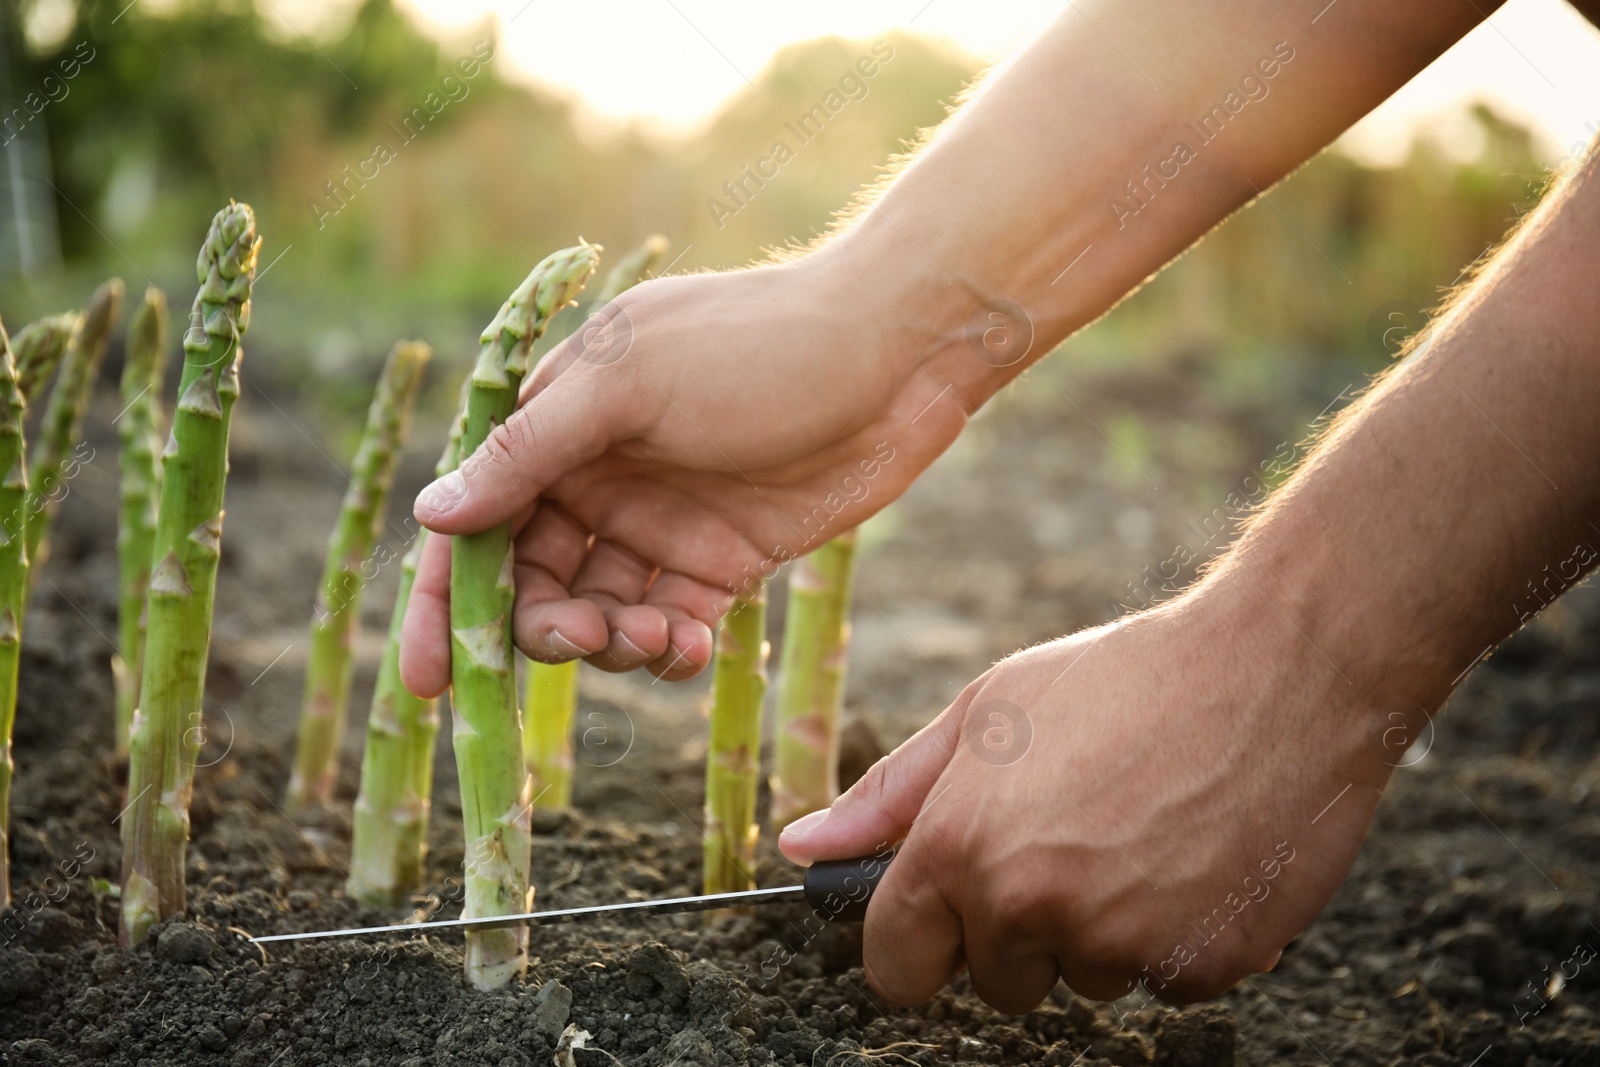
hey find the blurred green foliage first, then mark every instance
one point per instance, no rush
(189, 103)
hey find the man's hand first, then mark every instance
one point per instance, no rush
(711, 428)
(1167, 799)
(678, 452)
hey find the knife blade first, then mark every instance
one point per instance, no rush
(837, 890)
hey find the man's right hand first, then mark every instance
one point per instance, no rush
(713, 427)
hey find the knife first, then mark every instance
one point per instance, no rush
(837, 890)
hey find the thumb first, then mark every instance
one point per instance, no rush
(561, 427)
(879, 809)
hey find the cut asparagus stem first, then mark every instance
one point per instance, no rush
(140, 429)
(816, 645)
(738, 685)
(13, 587)
(338, 612)
(390, 824)
(63, 416)
(38, 348)
(167, 726)
(551, 696)
(487, 730)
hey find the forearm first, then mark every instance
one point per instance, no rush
(1110, 146)
(1461, 494)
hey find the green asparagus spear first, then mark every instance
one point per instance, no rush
(551, 696)
(13, 587)
(38, 348)
(140, 430)
(63, 417)
(390, 838)
(167, 726)
(487, 733)
(338, 611)
(738, 685)
(631, 269)
(816, 644)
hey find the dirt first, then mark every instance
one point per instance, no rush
(1480, 884)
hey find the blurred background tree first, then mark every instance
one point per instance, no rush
(185, 104)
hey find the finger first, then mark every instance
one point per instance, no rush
(425, 633)
(565, 425)
(638, 635)
(879, 809)
(616, 580)
(1008, 944)
(691, 609)
(690, 643)
(558, 359)
(548, 625)
(911, 943)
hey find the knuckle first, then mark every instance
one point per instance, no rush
(1021, 905)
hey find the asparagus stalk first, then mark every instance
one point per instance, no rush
(551, 702)
(487, 730)
(338, 612)
(13, 586)
(390, 839)
(38, 348)
(551, 696)
(631, 269)
(816, 644)
(63, 415)
(738, 685)
(166, 731)
(140, 429)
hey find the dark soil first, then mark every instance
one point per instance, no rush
(1481, 881)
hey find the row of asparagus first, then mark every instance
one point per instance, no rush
(35, 479)
(508, 761)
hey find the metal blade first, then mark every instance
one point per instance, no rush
(782, 895)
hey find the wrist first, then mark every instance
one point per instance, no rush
(919, 316)
(1311, 608)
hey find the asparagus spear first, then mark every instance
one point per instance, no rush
(63, 415)
(140, 428)
(487, 730)
(338, 610)
(738, 685)
(631, 269)
(13, 586)
(551, 696)
(38, 348)
(390, 839)
(166, 732)
(816, 643)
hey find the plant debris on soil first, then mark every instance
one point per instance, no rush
(1457, 938)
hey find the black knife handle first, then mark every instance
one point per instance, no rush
(838, 890)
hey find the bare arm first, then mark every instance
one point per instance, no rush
(669, 470)
(1179, 756)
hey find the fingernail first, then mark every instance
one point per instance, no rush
(804, 825)
(443, 495)
(638, 653)
(561, 645)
